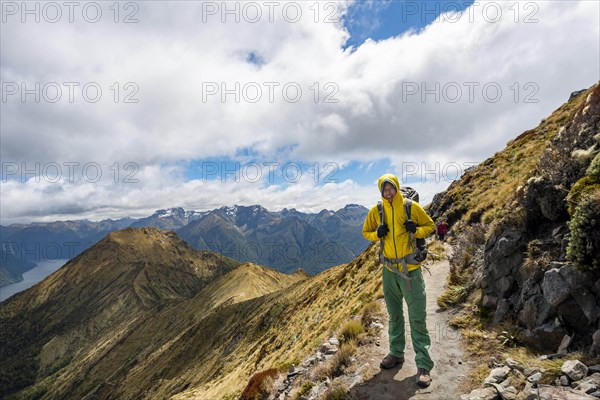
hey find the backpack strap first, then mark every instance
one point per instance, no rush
(407, 210)
(407, 207)
(381, 222)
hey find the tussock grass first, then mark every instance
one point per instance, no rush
(336, 365)
(437, 250)
(351, 330)
(370, 312)
(304, 389)
(336, 393)
(481, 343)
(453, 295)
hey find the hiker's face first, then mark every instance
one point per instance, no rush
(388, 192)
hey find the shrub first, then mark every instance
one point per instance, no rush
(584, 245)
(594, 168)
(581, 189)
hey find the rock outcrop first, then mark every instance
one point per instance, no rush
(525, 275)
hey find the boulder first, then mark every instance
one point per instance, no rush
(545, 337)
(548, 197)
(580, 285)
(535, 377)
(502, 272)
(595, 349)
(506, 393)
(508, 244)
(497, 375)
(502, 311)
(572, 316)
(514, 365)
(555, 288)
(546, 392)
(488, 393)
(589, 385)
(574, 369)
(576, 93)
(564, 345)
(574, 278)
(489, 301)
(535, 311)
(564, 380)
(587, 303)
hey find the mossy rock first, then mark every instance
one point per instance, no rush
(581, 189)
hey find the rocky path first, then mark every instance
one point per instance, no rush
(446, 350)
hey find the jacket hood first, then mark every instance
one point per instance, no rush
(391, 178)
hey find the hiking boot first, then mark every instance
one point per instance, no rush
(390, 361)
(423, 378)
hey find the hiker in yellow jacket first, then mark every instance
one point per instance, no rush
(402, 277)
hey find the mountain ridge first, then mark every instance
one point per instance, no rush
(238, 231)
(124, 333)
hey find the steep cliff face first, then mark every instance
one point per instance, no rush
(539, 203)
(527, 273)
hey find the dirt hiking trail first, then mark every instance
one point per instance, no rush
(446, 351)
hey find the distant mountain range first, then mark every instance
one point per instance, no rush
(286, 240)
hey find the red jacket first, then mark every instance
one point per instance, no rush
(442, 228)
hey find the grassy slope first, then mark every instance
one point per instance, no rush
(482, 193)
(209, 346)
(281, 328)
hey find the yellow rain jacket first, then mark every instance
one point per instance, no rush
(396, 244)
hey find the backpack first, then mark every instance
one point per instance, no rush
(419, 245)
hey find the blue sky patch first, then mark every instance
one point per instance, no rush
(383, 19)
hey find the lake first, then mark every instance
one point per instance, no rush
(31, 277)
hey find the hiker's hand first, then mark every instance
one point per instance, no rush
(410, 226)
(382, 230)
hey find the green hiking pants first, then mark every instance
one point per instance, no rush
(394, 290)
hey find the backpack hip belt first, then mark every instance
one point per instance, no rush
(388, 263)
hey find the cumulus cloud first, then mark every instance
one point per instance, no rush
(284, 88)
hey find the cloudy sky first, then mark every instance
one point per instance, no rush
(118, 109)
